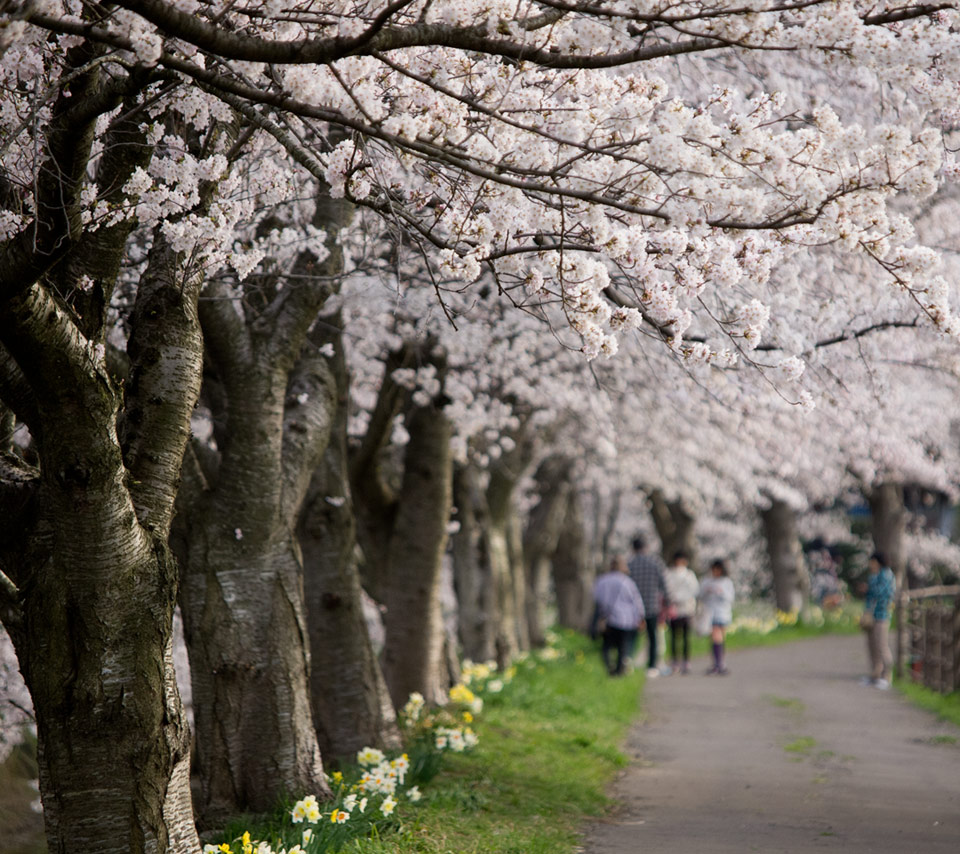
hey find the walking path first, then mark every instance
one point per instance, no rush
(789, 753)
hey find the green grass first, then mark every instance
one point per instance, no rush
(791, 703)
(945, 706)
(548, 749)
(802, 745)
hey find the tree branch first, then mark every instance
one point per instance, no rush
(307, 423)
(225, 335)
(16, 393)
(166, 354)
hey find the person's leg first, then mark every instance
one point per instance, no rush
(674, 630)
(883, 648)
(627, 641)
(723, 649)
(605, 647)
(685, 630)
(872, 665)
(652, 641)
(716, 636)
(876, 652)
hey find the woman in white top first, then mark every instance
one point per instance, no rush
(716, 597)
(682, 588)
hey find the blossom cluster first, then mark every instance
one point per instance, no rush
(560, 178)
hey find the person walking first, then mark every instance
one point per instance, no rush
(682, 588)
(646, 570)
(716, 597)
(881, 587)
(619, 614)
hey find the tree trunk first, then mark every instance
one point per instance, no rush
(541, 537)
(518, 579)
(473, 582)
(889, 525)
(113, 742)
(351, 704)
(242, 599)
(414, 629)
(242, 603)
(791, 583)
(605, 526)
(88, 585)
(572, 573)
(675, 525)
(499, 549)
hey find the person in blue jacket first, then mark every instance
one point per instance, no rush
(881, 588)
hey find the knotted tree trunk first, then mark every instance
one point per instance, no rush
(413, 622)
(503, 547)
(273, 397)
(403, 530)
(351, 704)
(88, 585)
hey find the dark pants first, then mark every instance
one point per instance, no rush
(680, 626)
(652, 640)
(622, 640)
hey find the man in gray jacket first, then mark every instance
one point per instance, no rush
(646, 570)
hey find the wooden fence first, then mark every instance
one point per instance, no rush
(928, 637)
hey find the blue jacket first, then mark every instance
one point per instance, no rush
(880, 591)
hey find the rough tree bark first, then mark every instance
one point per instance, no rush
(791, 582)
(90, 584)
(413, 622)
(242, 595)
(542, 534)
(572, 573)
(402, 529)
(889, 525)
(351, 704)
(87, 583)
(675, 526)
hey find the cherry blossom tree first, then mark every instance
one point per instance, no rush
(538, 142)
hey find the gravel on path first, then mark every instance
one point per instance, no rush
(788, 753)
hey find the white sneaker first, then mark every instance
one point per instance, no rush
(653, 673)
(882, 684)
(866, 680)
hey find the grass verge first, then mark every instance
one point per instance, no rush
(547, 750)
(945, 706)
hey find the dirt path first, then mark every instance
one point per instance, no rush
(787, 754)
